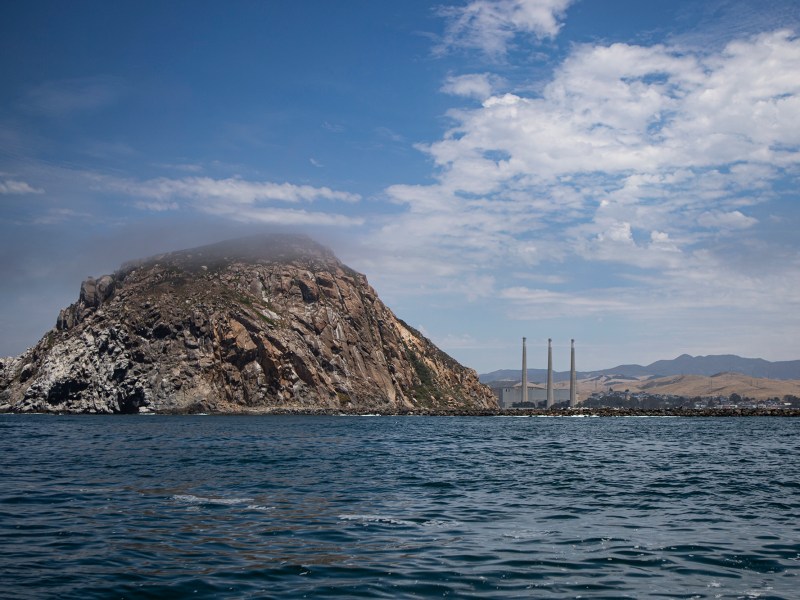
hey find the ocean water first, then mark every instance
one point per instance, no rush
(398, 507)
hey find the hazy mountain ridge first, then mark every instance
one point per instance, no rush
(682, 365)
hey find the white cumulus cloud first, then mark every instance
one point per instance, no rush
(649, 163)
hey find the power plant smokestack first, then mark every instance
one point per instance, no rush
(549, 374)
(573, 379)
(524, 372)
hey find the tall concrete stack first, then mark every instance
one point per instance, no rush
(550, 401)
(573, 378)
(524, 372)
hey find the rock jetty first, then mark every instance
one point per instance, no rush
(258, 325)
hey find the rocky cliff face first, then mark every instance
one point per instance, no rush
(260, 324)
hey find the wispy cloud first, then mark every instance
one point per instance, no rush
(184, 167)
(389, 134)
(57, 216)
(235, 199)
(282, 216)
(66, 96)
(333, 127)
(14, 187)
(491, 25)
(238, 191)
(715, 24)
(716, 219)
(701, 292)
(474, 85)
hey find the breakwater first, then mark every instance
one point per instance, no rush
(532, 412)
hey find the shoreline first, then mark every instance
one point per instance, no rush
(530, 412)
(594, 412)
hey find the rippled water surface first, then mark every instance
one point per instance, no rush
(156, 506)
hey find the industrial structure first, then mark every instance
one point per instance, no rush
(573, 377)
(528, 395)
(550, 400)
(524, 386)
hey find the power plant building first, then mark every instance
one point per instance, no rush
(536, 394)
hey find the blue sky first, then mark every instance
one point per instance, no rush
(623, 173)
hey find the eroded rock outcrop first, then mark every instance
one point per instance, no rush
(260, 324)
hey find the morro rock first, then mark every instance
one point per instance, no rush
(263, 324)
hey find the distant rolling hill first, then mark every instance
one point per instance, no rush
(689, 386)
(682, 365)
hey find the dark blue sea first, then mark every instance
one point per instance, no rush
(399, 507)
